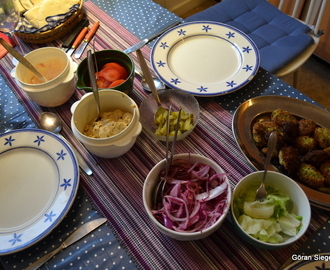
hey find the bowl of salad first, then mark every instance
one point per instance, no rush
(196, 197)
(279, 220)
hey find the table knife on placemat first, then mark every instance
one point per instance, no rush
(76, 43)
(69, 41)
(84, 44)
(74, 237)
(152, 36)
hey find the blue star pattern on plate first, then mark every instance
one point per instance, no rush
(16, 239)
(39, 140)
(161, 63)
(231, 84)
(182, 32)
(248, 68)
(66, 183)
(49, 217)
(175, 81)
(61, 155)
(164, 45)
(202, 89)
(247, 49)
(230, 35)
(9, 141)
(206, 28)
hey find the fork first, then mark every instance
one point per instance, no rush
(168, 155)
(261, 193)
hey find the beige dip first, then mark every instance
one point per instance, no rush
(111, 123)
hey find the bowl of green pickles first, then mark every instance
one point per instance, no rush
(155, 124)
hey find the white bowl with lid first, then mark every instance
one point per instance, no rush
(54, 92)
(84, 110)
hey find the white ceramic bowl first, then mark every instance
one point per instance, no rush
(299, 205)
(84, 110)
(52, 93)
(152, 180)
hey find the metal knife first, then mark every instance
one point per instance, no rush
(69, 41)
(74, 237)
(152, 36)
(89, 36)
(77, 41)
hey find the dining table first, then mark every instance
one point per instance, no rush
(129, 240)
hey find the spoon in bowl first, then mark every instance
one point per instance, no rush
(52, 123)
(20, 58)
(157, 82)
(150, 81)
(261, 191)
(91, 70)
(159, 193)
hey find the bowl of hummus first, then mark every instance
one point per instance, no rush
(115, 132)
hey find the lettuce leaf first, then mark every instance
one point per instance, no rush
(269, 220)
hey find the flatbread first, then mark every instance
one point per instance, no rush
(45, 8)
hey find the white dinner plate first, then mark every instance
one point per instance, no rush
(205, 58)
(317, 261)
(38, 183)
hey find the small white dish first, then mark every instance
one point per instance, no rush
(39, 181)
(205, 58)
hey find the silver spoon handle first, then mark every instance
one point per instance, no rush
(21, 58)
(147, 75)
(272, 140)
(91, 69)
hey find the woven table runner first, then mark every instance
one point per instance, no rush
(115, 188)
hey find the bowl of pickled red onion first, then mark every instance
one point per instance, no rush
(196, 198)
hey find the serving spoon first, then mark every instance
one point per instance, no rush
(20, 58)
(150, 81)
(157, 82)
(168, 155)
(261, 191)
(91, 70)
(51, 122)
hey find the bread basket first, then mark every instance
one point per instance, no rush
(55, 33)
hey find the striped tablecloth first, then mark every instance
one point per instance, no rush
(115, 188)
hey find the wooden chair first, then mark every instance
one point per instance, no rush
(285, 41)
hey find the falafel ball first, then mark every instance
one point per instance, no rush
(259, 131)
(289, 158)
(322, 136)
(280, 116)
(325, 171)
(306, 127)
(310, 176)
(304, 144)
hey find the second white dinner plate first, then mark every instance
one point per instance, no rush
(38, 183)
(205, 58)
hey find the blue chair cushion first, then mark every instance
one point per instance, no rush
(279, 37)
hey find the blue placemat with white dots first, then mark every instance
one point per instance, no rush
(139, 17)
(12, 111)
(264, 83)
